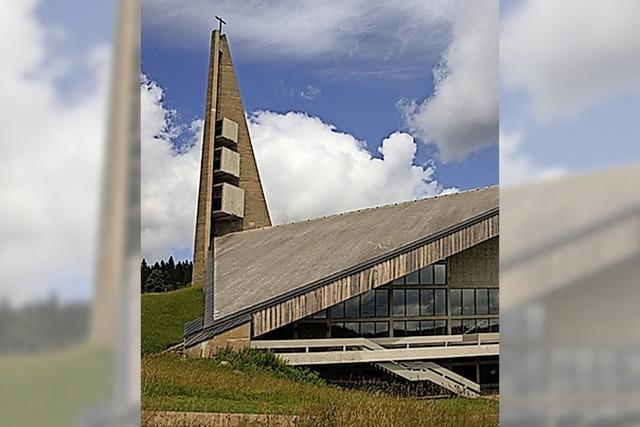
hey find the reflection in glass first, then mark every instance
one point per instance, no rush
(427, 305)
(399, 329)
(413, 278)
(441, 302)
(482, 301)
(413, 328)
(494, 301)
(440, 327)
(368, 329)
(426, 275)
(352, 329)
(482, 325)
(398, 302)
(413, 302)
(367, 304)
(382, 303)
(313, 330)
(382, 329)
(352, 307)
(494, 325)
(337, 311)
(468, 302)
(440, 273)
(456, 302)
(456, 327)
(469, 326)
(426, 327)
(319, 315)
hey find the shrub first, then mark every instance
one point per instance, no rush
(260, 360)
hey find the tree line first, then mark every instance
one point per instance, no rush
(165, 276)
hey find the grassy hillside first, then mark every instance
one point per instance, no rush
(164, 315)
(258, 382)
(172, 383)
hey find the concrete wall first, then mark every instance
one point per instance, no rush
(234, 339)
(475, 267)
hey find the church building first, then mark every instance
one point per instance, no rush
(404, 293)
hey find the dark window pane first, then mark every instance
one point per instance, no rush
(426, 327)
(319, 315)
(338, 331)
(489, 374)
(468, 302)
(456, 327)
(440, 327)
(413, 328)
(352, 328)
(399, 281)
(482, 301)
(456, 302)
(352, 307)
(337, 311)
(382, 329)
(399, 329)
(469, 326)
(426, 275)
(482, 325)
(426, 302)
(413, 302)
(367, 304)
(494, 301)
(398, 302)
(368, 329)
(312, 330)
(413, 278)
(382, 303)
(440, 273)
(441, 302)
(494, 325)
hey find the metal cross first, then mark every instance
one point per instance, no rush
(222, 21)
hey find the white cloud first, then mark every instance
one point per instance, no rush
(169, 177)
(516, 167)
(310, 30)
(310, 169)
(568, 55)
(51, 152)
(461, 115)
(310, 93)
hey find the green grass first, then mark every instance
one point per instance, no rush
(252, 381)
(52, 388)
(164, 315)
(174, 383)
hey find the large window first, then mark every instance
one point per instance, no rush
(418, 304)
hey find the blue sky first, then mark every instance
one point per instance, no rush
(361, 105)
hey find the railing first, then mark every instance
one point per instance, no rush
(354, 350)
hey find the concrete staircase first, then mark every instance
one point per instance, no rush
(429, 371)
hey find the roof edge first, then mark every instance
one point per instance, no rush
(222, 324)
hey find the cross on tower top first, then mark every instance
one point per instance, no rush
(221, 21)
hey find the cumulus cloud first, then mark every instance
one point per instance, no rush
(516, 167)
(461, 115)
(308, 169)
(169, 176)
(311, 169)
(568, 55)
(51, 152)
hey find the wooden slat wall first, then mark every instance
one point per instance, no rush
(380, 274)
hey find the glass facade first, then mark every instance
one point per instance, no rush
(418, 304)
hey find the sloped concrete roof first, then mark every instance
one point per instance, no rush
(254, 266)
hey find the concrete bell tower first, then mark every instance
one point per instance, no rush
(230, 194)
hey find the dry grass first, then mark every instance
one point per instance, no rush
(172, 383)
